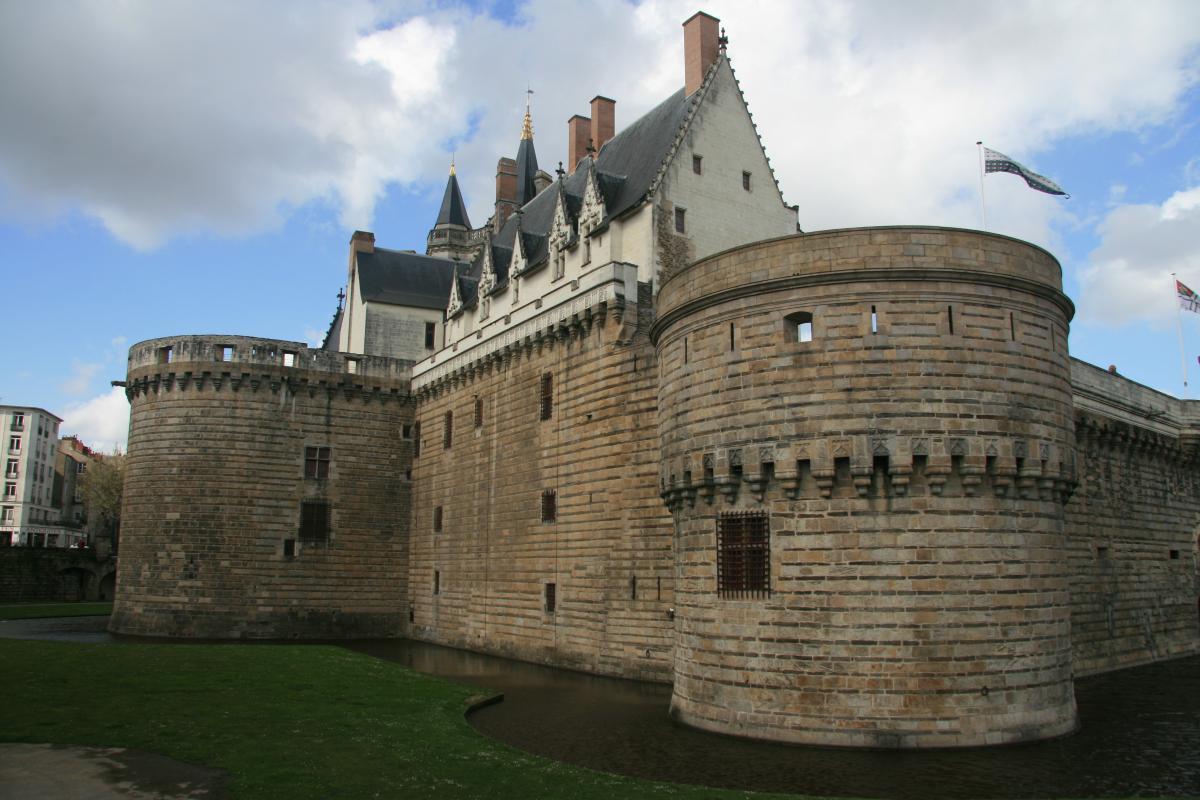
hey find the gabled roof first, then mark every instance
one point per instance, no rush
(404, 279)
(453, 210)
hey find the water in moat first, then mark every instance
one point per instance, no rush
(1139, 735)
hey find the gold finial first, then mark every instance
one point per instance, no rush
(527, 127)
(452, 164)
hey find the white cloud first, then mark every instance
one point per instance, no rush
(102, 422)
(1128, 277)
(166, 118)
(81, 378)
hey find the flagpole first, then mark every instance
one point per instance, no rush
(1179, 328)
(982, 196)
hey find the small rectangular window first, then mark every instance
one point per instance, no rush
(874, 321)
(352, 366)
(746, 181)
(437, 519)
(950, 319)
(478, 411)
(547, 396)
(316, 462)
(166, 354)
(406, 431)
(1174, 555)
(289, 358)
(697, 164)
(680, 220)
(549, 505)
(798, 327)
(437, 582)
(14, 444)
(448, 430)
(314, 521)
(732, 338)
(289, 548)
(744, 554)
(224, 352)
(10, 490)
(551, 597)
(430, 333)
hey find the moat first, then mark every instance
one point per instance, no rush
(1139, 735)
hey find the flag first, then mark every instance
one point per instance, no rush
(998, 162)
(1188, 300)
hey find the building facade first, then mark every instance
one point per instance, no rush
(29, 515)
(844, 487)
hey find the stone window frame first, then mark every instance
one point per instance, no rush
(438, 518)
(550, 597)
(546, 396)
(697, 164)
(318, 460)
(549, 506)
(448, 430)
(794, 329)
(680, 220)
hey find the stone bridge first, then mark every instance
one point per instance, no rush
(53, 574)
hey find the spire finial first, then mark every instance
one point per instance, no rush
(723, 40)
(527, 127)
(452, 155)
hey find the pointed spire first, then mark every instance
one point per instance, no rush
(527, 126)
(527, 166)
(452, 165)
(453, 210)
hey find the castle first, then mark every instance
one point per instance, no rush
(844, 487)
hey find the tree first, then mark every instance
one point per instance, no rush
(101, 486)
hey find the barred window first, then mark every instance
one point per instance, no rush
(316, 462)
(314, 521)
(437, 582)
(547, 396)
(437, 519)
(549, 505)
(448, 431)
(551, 597)
(744, 554)
(478, 411)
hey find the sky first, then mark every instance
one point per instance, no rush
(199, 167)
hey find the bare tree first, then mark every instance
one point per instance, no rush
(101, 486)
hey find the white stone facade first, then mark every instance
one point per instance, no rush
(28, 517)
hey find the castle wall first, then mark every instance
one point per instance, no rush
(911, 476)
(1132, 524)
(608, 549)
(211, 538)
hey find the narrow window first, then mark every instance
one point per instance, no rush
(448, 431)
(1012, 326)
(416, 430)
(437, 582)
(950, 318)
(658, 581)
(698, 164)
(587, 250)
(430, 332)
(14, 444)
(551, 597)
(166, 354)
(1101, 551)
(732, 340)
(680, 220)
(547, 396)
(316, 462)
(289, 548)
(406, 431)
(798, 327)
(314, 521)
(685, 349)
(549, 505)
(437, 519)
(744, 554)
(874, 321)
(10, 489)
(633, 587)
(746, 181)
(478, 411)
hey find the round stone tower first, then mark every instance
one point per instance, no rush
(866, 441)
(260, 494)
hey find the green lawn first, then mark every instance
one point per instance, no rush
(285, 721)
(36, 610)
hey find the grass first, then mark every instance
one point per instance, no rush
(38, 610)
(286, 721)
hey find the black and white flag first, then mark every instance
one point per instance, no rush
(998, 162)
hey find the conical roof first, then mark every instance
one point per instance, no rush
(454, 210)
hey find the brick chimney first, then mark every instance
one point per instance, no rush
(604, 120)
(506, 190)
(700, 48)
(579, 132)
(362, 242)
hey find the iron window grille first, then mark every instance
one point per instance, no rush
(744, 554)
(549, 505)
(547, 404)
(314, 521)
(478, 412)
(551, 597)
(316, 462)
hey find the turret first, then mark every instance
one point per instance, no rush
(451, 236)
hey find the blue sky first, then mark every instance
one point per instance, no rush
(199, 167)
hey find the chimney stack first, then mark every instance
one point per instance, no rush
(701, 46)
(362, 242)
(506, 190)
(604, 120)
(579, 132)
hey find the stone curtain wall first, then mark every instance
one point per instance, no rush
(913, 475)
(28, 574)
(609, 550)
(1133, 524)
(215, 479)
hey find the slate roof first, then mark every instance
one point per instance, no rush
(404, 279)
(334, 333)
(453, 210)
(626, 168)
(527, 168)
